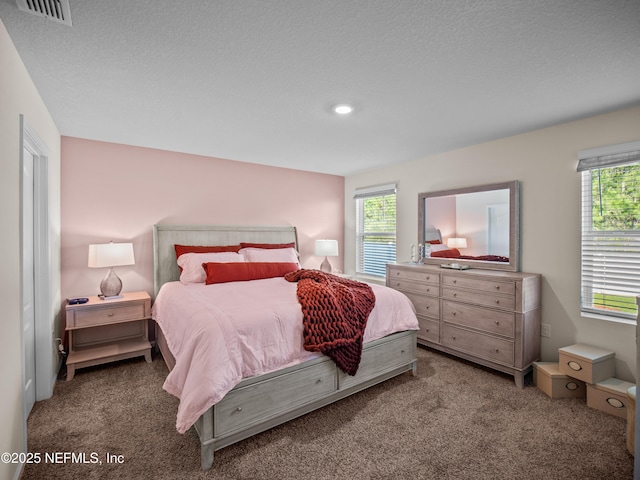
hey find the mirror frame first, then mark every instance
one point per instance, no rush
(514, 225)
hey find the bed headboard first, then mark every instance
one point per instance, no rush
(430, 235)
(165, 268)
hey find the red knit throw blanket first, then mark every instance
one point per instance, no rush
(335, 312)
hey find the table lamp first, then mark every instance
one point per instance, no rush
(455, 242)
(326, 248)
(109, 255)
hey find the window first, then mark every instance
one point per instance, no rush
(375, 229)
(610, 272)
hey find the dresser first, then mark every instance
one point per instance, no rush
(488, 317)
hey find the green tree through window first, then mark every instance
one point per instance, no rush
(611, 240)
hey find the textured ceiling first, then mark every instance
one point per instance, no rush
(254, 80)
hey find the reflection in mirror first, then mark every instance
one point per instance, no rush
(477, 226)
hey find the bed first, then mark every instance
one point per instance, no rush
(276, 395)
(439, 250)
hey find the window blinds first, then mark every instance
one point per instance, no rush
(610, 246)
(375, 229)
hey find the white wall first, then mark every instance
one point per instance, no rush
(18, 96)
(544, 161)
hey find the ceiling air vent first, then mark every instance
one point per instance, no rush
(55, 10)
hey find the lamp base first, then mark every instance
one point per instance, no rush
(111, 285)
(325, 266)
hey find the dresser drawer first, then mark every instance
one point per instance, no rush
(424, 305)
(97, 316)
(415, 287)
(491, 348)
(488, 320)
(488, 299)
(429, 329)
(245, 406)
(416, 276)
(506, 288)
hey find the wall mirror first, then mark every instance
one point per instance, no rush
(474, 226)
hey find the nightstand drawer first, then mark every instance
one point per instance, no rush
(80, 318)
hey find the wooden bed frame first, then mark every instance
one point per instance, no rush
(262, 402)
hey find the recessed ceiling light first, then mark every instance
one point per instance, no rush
(343, 109)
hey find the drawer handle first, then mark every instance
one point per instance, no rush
(497, 322)
(497, 287)
(453, 313)
(614, 402)
(496, 349)
(427, 277)
(455, 281)
(320, 380)
(426, 330)
(398, 273)
(574, 366)
(397, 284)
(497, 302)
(110, 315)
(428, 290)
(453, 336)
(426, 307)
(239, 409)
(401, 351)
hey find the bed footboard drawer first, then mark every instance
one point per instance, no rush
(376, 358)
(249, 405)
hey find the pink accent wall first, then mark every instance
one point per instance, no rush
(113, 192)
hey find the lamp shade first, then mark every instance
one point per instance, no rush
(326, 248)
(455, 242)
(111, 255)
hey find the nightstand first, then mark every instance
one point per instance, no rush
(102, 331)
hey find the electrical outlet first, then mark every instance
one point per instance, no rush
(545, 330)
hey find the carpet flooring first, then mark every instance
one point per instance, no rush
(454, 420)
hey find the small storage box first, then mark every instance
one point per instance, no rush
(587, 363)
(548, 378)
(609, 396)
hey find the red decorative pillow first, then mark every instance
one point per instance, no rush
(268, 245)
(240, 272)
(181, 249)
(449, 253)
(434, 242)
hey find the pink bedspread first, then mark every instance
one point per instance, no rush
(222, 333)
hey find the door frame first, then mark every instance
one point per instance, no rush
(44, 318)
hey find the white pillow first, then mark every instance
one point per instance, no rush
(191, 264)
(252, 254)
(438, 247)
